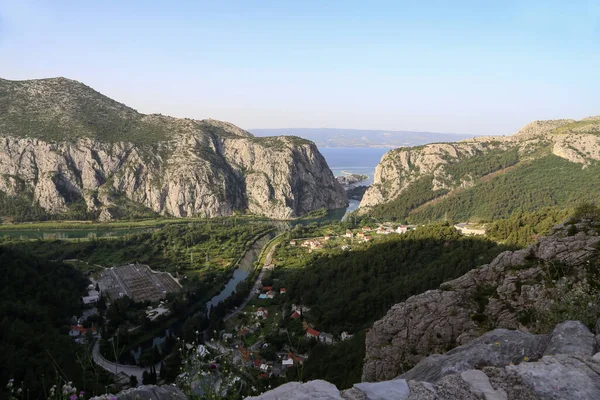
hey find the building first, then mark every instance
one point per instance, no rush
(92, 297)
(349, 234)
(402, 229)
(77, 330)
(282, 290)
(292, 242)
(262, 312)
(271, 294)
(345, 336)
(312, 333)
(295, 315)
(267, 288)
(326, 338)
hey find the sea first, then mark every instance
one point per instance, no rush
(353, 160)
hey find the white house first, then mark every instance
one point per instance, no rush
(262, 312)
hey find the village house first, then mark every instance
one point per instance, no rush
(326, 338)
(295, 315)
(367, 238)
(77, 330)
(288, 363)
(366, 229)
(92, 297)
(292, 242)
(267, 288)
(301, 309)
(349, 234)
(312, 333)
(282, 290)
(360, 235)
(345, 247)
(262, 313)
(271, 294)
(402, 229)
(345, 336)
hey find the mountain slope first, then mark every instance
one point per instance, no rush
(546, 163)
(64, 146)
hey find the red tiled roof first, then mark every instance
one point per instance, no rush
(82, 329)
(313, 332)
(282, 290)
(267, 288)
(295, 315)
(257, 363)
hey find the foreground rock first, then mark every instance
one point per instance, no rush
(146, 392)
(517, 290)
(63, 144)
(500, 365)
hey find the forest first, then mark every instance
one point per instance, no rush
(37, 300)
(530, 185)
(189, 248)
(524, 228)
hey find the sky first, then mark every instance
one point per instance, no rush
(476, 67)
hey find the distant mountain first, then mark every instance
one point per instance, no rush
(67, 150)
(329, 137)
(546, 163)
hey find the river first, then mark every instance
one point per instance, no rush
(244, 268)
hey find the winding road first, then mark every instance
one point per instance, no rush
(116, 368)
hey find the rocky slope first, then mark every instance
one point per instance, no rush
(433, 172)
(500, 365)
(62, 143)
(529, 289)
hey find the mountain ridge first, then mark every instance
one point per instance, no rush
(458, 175)
(64, 144)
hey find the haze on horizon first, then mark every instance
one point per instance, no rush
(468, 67)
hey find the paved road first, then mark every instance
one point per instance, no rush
(116, 368)
(257, 284)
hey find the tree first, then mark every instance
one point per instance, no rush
(133, 381)
(145, 378)
(163, 370)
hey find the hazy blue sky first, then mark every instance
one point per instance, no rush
(446, 66)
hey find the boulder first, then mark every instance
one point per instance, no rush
(312, 390)
(497, 348)
(561, 377)
(147, 392)
(571, 337)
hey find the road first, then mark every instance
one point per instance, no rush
(256, 286)
(116, 368)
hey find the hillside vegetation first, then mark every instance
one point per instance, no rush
(349, 290)
(546, 164)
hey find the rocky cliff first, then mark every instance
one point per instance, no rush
(429, 174)
(62, 143)
(500, 365)
(528, 290)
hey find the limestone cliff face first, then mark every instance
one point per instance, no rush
(174, 167)
(517, 290)
(576, 141)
